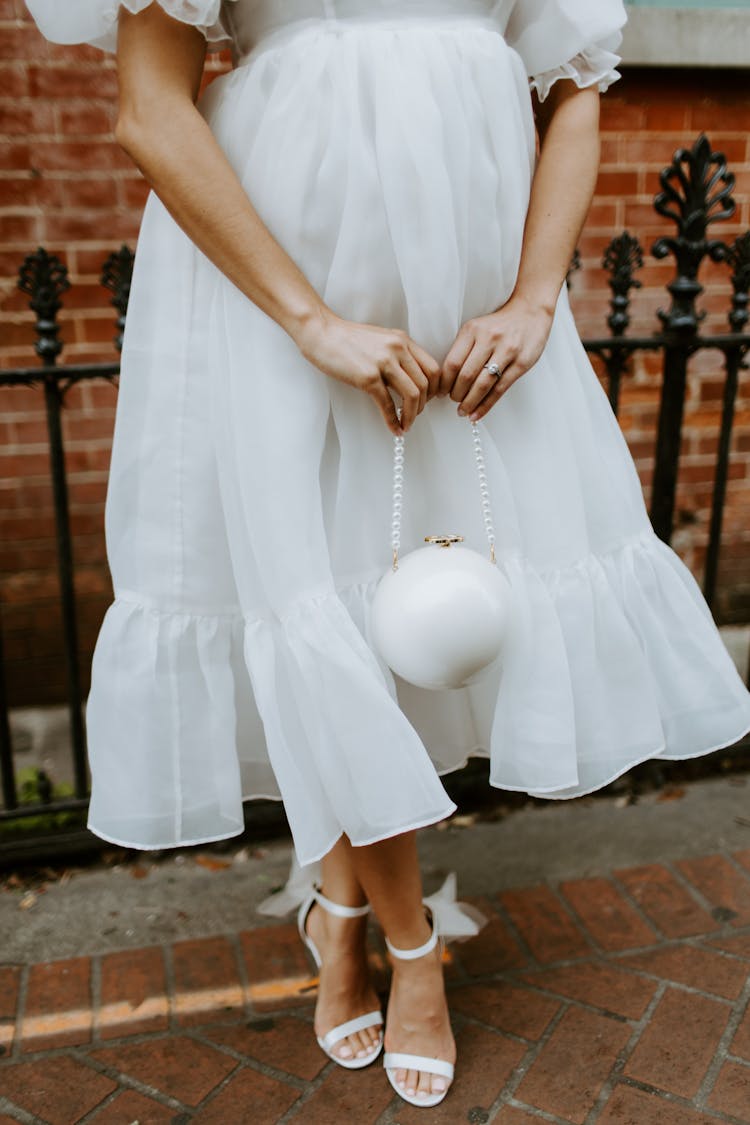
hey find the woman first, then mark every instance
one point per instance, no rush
(350, 237)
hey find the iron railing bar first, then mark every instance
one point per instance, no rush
(62, 804)
(66, 580)
(731, 384)
(7, 773)
(13, 376)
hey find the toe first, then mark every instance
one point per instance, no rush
(424, 1084)
(412, 1079)
(343, 1049)
(401, 1079)
(439, 1084)
(359, 1045)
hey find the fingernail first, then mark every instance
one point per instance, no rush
(461, 411)
(473, 417)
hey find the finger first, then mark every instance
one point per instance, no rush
(429, 365)
(418, 377)
(480, 388)
(509, 377)
(455, 360)
(472, 367)
(379, 392)
(401, 383)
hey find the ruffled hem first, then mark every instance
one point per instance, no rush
(95, 21)
(611, 661)
(595, 66)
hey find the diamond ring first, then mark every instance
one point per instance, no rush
(493, 369)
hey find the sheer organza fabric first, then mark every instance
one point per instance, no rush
(556, 39)
(390, 148)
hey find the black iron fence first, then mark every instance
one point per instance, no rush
(696, 192)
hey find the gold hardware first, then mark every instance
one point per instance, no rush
(395, 558)
(492, 553)
(444, 540)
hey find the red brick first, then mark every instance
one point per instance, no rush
(505, 1007)
(10, 979)
(602, 986)
(476, 1083)
(510, 1115)
(268, 1097)
(133, 993)
(665, 900)
(668, 1058)
(743, 857)
(493, 950)
(276, 955)
(607, 915)
(629, 1106)
(58, 1005)
(340, 1099)
(731, 1093)
(131, 1107)
(721, 884)
(58, 1089)
(206, 978)
(740, 1045)
(709, 972)
(286, 1044)
(544, 924)
(178, 1067)
(559, 1080)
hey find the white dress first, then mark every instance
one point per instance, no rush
(389, 146)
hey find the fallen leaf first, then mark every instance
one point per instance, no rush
(468, 820)
(139, 871)
(212, 864)
(27, 901)
(671, 793)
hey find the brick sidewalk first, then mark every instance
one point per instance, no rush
(620, 1000)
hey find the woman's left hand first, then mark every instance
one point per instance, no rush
(514, 338)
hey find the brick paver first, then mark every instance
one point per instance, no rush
(611, 1000)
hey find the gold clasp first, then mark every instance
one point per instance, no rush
(444, 540)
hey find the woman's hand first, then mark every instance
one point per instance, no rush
(514, 338)
(374, 360)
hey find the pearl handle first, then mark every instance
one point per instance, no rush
(398, 492)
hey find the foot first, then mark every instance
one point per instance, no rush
(345, 990)
(419, 1023)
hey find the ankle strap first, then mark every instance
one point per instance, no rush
(413, 954)
(337, 909)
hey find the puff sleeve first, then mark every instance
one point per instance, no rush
(576, 39)
(95, 21)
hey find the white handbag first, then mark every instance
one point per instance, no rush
(439, 615)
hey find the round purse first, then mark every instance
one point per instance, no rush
(439, 614)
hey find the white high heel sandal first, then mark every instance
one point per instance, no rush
(393, 1060)
(359, 1023)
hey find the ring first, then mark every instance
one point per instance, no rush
(493, 369)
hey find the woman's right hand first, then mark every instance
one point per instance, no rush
(374, 360)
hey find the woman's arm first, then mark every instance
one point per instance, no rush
(160, 64)
(514, 337)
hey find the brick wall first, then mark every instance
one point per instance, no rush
(64, 184)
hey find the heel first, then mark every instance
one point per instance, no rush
(360, 1023)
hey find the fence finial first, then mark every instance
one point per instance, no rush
(44, 278)
(697, 191)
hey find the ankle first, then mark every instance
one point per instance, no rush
(410, 937)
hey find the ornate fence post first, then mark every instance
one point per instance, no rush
(44, 278)
(622, 258)
(117, 273)
(738, 257)
(696, 192)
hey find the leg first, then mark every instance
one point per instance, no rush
(418, 1020)
(345, 988)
